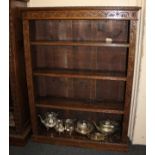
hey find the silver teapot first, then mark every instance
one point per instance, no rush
(59, 127)
(84, 127)
(49, 120)
(106, 126)
(69, 126)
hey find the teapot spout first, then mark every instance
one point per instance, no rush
(96, 126)
(41, 119)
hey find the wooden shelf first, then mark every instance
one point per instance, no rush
(78, 43)
(70, 104)
(80, 74)
(81, 143)
(76, 139)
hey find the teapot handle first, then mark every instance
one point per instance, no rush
(95, 124)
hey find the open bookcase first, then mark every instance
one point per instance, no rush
(79, 64)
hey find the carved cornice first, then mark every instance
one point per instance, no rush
(81, 14)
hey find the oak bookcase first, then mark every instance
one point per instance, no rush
(19, 118)
(80, 63)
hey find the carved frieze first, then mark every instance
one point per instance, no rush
(81, 14)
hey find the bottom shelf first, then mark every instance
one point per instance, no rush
(112, 142)
(81, 143)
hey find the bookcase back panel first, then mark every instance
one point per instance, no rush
(110, 90)
(79, 115)
(80, 58)
(80, 89)
(76, 30)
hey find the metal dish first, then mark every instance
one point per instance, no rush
(97, 136)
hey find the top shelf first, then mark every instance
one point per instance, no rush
(78, 43)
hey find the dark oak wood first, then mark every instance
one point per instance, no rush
(68, 104)
(29, 75)
(73, 71)
(18, 106)
(80, 74)
(130, 71)
(20, 139)
(79, 58)
(80, 89)
(62, 43)
(81, 143)
(121, 13)
(73, 32)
